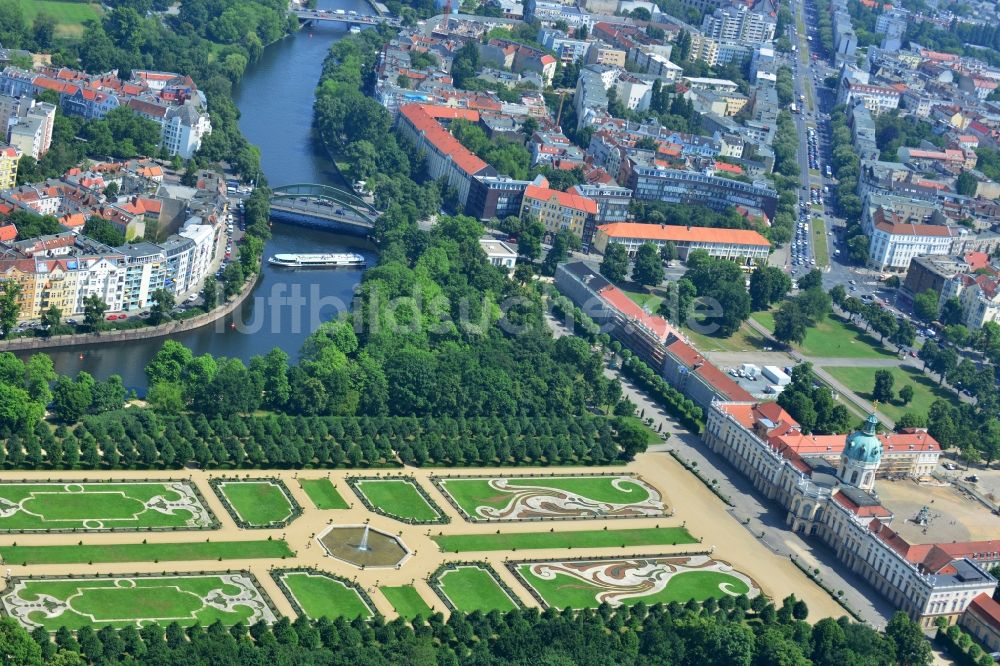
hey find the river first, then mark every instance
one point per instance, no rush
(275, 99)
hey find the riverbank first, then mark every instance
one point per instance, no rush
(144, 333)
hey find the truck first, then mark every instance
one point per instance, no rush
(777, 375)
(750, 370)
(793, 108)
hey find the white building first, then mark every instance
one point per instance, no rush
(834, 502)
(499, 254)
(184, 127)
(893, 243)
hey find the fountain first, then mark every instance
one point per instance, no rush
(363, 546)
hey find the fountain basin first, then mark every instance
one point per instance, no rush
(381, 549)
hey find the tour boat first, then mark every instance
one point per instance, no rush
(354, 30)
(317, 260)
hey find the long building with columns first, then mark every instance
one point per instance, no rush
(827, 486)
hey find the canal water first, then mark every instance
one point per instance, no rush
(275, 99)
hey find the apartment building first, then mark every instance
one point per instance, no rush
(738, 23)
(877, 99)
(894, 238)
(558, 211)
(612, 206)
(9, 157)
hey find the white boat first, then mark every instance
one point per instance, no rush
(354, 30)
(336, 260)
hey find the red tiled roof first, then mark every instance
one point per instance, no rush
(564, 199)
(987, 609)
(423, 118)
(677, 233)
(621, 302)
(8, 232)
(699, 365)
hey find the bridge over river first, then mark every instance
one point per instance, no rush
(307, 16)
(323, 207)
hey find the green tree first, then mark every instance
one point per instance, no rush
(668, 252)
(72, 398)
(906, 394)
(966, 184)
(94, 308)
(813, 278)
(790, 323)
(912, 648)
(925, 305)
(161, 303)
(614, 266)
(648, 267)
(768, 284)
(10, 307)
(51, 319)
(103, 231)
(16, 645)
(563, 243)
(883, 390)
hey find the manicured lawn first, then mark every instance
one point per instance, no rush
(834, 338)
(925, 389)
(565, 591)
(146, 552)
(65, 506)
(473, 493)
(655, 536)
(323, 493)
(647, 300)
(744, 339)
(259, 503)
(69, 16)
(321, 596)
(122, 601)
(407, 601)
(472, 588)
(398, 498)
(817, 228)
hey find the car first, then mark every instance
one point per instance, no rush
(111, 317)
(192, 298)
(123, 316)
(950, 466)
(972, 478)
(71, 322)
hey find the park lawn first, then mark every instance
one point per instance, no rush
(834, 337)
(69, 16)
(398, 498)
(472, 588)
(644, 299)
(473, 493)
(323, 493)
(259, 503)
(744, 339)
(925, 389)
(146, 552)
(570, 592)
(407, 601)
(654, 536)
(652, 437)
(322, 596)
(120, 602)
(64, 506)
(820, 244)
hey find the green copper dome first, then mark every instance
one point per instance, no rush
(863, 446)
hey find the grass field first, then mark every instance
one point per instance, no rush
(69, 16)
(834, 337)
(652, 536)
(186, 599)
(259, 503)
(603, 493)
(323, 493)
(586, 584)
(407, 601)
(143, 552)
(322, 596)
(471, 588)
(817, 227)
(111, 505)
(744, 339)
(925, 389)
(398, 498)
